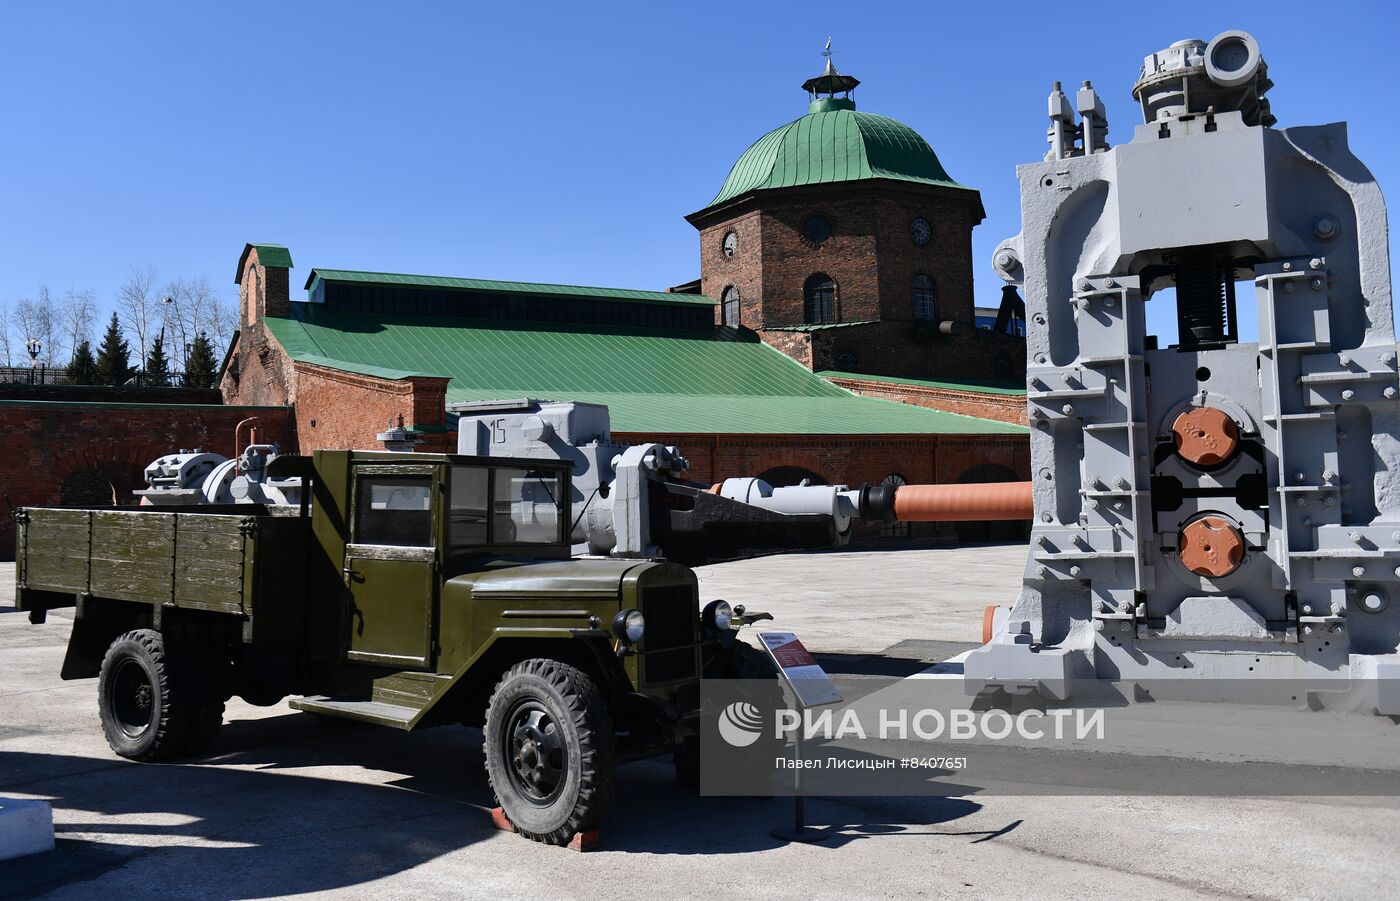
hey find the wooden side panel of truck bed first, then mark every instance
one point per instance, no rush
(219, 562)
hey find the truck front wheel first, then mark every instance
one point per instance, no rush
(144, 712)
(549, 750)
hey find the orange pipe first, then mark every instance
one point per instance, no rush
(973, 502)
(252, 422)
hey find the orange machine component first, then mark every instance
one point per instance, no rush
(252, 422)
(989, 618)
(1205, 436)
(964, 502)
(1211, 547)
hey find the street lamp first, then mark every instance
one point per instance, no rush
(34, 346)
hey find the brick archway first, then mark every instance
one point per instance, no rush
(795, 459)
(121, 463)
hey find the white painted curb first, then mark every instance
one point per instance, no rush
(26, 827)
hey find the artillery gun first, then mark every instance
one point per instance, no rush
(1210, 509)
(635, 501)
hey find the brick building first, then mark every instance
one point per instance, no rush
(841, 241)
(830, 336)
(365, 348)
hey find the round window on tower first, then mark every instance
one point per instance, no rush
(731, 243)
(816, 229)
(920, 231)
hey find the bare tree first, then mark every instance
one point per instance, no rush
(140, 308)
(191, 306)
(35, 321)
(78, 313)
(223, 324)
(6, 348)
(195, 307)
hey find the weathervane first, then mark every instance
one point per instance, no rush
(830, 82)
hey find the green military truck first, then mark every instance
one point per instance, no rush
(405, 590)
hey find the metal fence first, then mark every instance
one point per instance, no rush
(58, 375)
(32, 375)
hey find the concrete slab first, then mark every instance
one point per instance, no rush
(26, 827)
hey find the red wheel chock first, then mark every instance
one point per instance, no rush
(583, 841)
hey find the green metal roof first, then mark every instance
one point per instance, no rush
(503, 287)
(834, 143)
(379, 372)
(724, 381)
(274, 255)
(1006, 388)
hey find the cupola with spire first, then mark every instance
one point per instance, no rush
(833, 143)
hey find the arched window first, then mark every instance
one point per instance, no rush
(731, 306)
(924, 307)
(819, 299)
(251, 281)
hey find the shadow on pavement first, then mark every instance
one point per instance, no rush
(271, 812)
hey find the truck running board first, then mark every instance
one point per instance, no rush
(378, 712)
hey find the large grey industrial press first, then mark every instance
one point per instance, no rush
(1208, 509)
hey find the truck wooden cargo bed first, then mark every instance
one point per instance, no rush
(233, 560)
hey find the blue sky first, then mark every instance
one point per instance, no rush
(548, 142)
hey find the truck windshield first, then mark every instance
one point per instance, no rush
(504, 505)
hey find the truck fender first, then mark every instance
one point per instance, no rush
(590, 652)
(97, 624)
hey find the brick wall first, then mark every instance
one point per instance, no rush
(337, 409)
(873, 259)
(743, 271)
(47, 443)
(1001, 407)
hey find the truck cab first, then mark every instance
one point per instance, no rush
(449, 562)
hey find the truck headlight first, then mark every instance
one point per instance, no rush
(629, 625)
(717, 615)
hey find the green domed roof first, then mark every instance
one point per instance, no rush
(834, 143)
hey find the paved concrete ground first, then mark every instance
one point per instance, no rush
(287, 806)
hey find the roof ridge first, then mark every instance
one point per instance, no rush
(541, 287)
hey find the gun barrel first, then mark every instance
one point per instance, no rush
(961, 502)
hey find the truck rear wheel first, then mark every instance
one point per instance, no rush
(145, 710)
(549, 750)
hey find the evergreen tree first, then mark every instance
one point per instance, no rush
(113, 357)
(157, 366)
(201, 369)
(82, 369)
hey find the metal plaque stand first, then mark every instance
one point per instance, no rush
(800, 831)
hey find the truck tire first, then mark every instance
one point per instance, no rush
(145, 708)
(549, 750)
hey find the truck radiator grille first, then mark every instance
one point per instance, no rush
(669, 647)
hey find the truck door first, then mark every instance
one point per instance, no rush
(391, 565)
